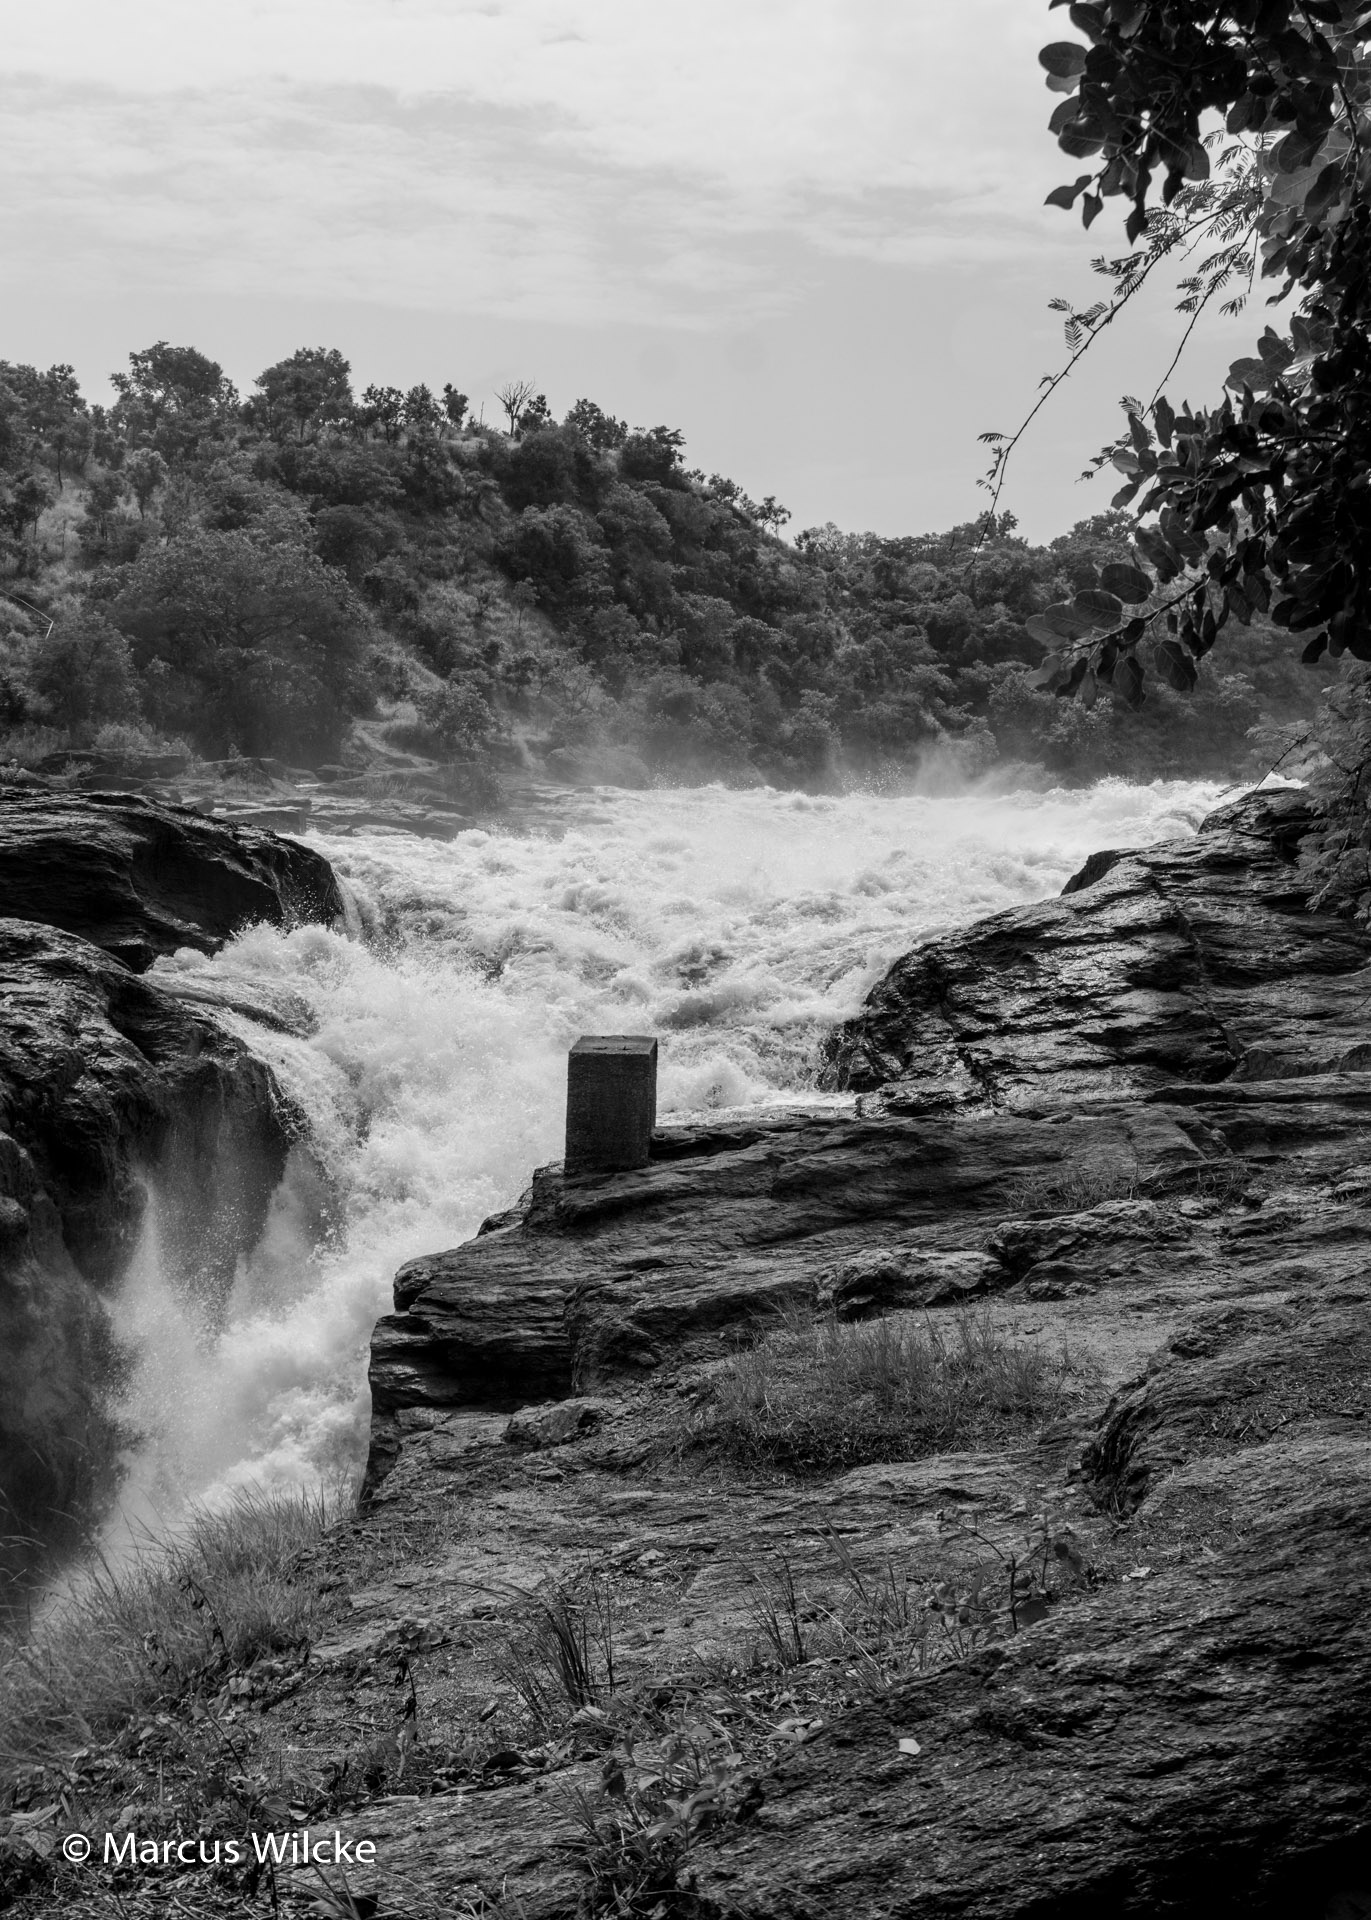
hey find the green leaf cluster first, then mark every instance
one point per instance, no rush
(1262, 503)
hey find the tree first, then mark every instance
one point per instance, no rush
(43, 413)
(601, 429)
(354, 538)
(1262, 502)
(172, 398)
(524, 595)
(536, 415)
(60, 417)
(68, 429)
(771, 514)
(513, 397)
(12, 433)
(654, 454)
(310, 390)
(106, 535)
(28, 500)
(243, 644)
(383, 407)
(454, 405)
(421, 412)
(556, 550)
(83, 672)
(145, 470)
(547, 467)
(459, 715)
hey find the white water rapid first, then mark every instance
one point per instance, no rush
(736, 926)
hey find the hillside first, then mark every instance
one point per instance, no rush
(383, 587)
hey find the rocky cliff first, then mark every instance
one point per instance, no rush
(1182, 1010)
(109, 1080)
(140, 878)
(1194, 963)
(1132, 1120)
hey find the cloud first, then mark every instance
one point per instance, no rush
(586, 159)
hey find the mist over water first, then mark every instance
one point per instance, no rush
(736, 926)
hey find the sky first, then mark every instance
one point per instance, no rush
(809, 233)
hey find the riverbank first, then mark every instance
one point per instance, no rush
(607, 1630)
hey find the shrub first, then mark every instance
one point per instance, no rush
(681, 724)
(654, 455)
(458, 717)
(354, 538)
(83, 674)
(549, 468)
(555, 549)
(244, 644)
(232, 497)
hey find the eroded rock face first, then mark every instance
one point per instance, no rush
(105, 1078)
(604, 1279)
(108, 1079)
(140, 878)
(1184, 1744)
(1180, 1018)
(1191, 1739)
(1136, 1116)
(1194, 962)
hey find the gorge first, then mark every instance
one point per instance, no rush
(1127, 1121)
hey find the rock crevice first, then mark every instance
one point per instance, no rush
(109, 1081)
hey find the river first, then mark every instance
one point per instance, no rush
(737, 926)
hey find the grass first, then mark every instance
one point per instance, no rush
(816, 1394)
(655, 1798)
(149, 1696)
(175, 1620)
(567, 1662)
(1076, 1189)
(672, 1767)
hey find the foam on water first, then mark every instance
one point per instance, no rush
(736, 926)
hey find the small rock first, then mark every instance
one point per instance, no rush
(552, 1425)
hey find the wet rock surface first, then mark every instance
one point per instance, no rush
(112, 1077)
(106, 1080)
(1132, 1121)
(1189, 1741)
(1193, 962)
(140, 878)
(1112, 1660)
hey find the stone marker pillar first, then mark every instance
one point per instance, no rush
(611, 1102)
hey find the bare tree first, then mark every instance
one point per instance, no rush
(514, 396)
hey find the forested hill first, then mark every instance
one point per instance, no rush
(256, 575)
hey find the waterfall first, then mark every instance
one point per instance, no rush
(737, 926)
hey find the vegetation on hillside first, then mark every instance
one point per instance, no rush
(251, 576)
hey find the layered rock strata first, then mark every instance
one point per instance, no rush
(1192, 963)
(140, 878)
(1181, 1011)
(1134, 1119)
(109, 1080)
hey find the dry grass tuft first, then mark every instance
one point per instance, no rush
(1076, 1188)
(816, 1394)
(172, 1621)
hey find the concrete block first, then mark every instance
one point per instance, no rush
(611, 1102)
